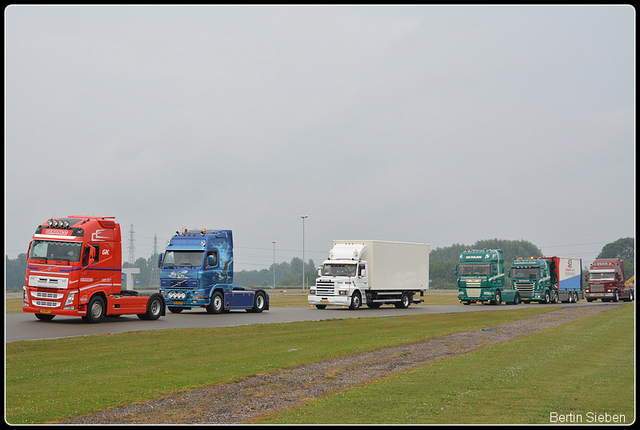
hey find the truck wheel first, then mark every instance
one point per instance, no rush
(259, 302)
(154, 308)
(43, 317)
(516, 299)
(556, 299)
(405, 301)
(216, 306)
(547, 298)
(355, 301)
(575, 297)
(321, 306)
(95, 310)
(498, 298)
(616, 296)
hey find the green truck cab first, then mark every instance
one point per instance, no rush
(480, 275)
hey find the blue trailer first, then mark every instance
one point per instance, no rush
(196, 271)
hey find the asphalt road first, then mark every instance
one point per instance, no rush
(21, 326)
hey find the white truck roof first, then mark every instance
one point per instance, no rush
(347, 251)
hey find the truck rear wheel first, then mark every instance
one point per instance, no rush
(259, 302)
(95, 310)
(155, 306)
(405, 301)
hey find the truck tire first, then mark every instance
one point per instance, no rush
(616, 296)
(547, 298)
(627, 299)
(356, 301)
(259, 302)
(321, 306)
(405, 301)
(216, 305)
(95, 310)
(575, 297)
(516, 299)
(44, 317)
(155, 305)
(498, 298)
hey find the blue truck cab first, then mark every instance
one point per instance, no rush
(196, 270)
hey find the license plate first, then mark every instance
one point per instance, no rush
(324, 301)
(598, 295)
(45, 311)
(178, 303)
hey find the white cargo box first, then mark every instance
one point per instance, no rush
(391, 265)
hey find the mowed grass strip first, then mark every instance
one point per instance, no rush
(50, 380)
(584, 368)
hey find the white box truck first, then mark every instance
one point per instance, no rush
(373, 272)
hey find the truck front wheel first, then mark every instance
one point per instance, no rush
(498, 298)
(95, 310)
(216, 306)
(547, 298)
(356, 301)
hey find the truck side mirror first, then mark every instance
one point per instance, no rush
(363, 273)
(455, 271)
(160, 259)
(211, 261)
(319, 270)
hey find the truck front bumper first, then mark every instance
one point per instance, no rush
(595, 296)
(329, 300)
(55, 311)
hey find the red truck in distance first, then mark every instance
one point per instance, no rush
(606, 281)
(74, 268)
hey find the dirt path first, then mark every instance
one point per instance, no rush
(242, 401)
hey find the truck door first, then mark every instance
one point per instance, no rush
(363, 276)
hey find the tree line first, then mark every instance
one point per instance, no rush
(442, 263)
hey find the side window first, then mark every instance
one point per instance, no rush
(90, 255)
(212, 255)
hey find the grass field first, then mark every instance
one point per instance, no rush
(581, 372)
(50, 380)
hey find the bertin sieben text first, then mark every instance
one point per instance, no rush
(588, 417)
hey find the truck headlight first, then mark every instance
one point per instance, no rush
(312, 291)
(343, 292)
(70, 298)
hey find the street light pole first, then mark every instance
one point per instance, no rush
(303, 218)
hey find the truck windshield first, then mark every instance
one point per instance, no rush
(339, 270)
(598, 276)
(183, 258)
(474, 269)
(51, 250)
(525, 272)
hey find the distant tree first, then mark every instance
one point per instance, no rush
(15, 271)
(621, 248)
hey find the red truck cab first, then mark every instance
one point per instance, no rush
(606, 281)
(74, 268)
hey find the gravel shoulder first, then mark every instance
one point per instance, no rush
(240, 402)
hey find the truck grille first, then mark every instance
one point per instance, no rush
(46, 304)
(597, 288)
(473, 292)
(525, 290)
(41, 295)
(325, 288)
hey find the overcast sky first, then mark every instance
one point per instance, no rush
(407, 123)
